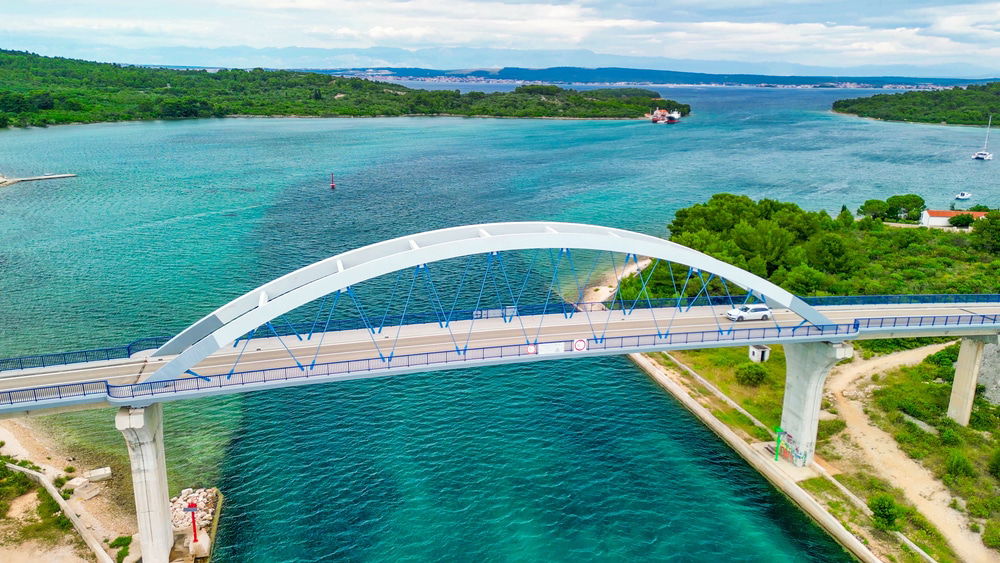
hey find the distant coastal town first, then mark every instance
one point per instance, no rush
(386, 75)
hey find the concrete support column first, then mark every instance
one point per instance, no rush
(807, 365)
(963, 388)
(143, 431)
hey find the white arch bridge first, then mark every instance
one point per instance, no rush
(514, 307)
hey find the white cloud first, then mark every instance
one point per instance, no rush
(933, 34)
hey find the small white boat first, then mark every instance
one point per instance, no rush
(963, 195)
(985, 154)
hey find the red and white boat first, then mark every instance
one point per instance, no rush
(661, 116)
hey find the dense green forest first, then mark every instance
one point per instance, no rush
(812, 253)
(38, 91)
(971, 105)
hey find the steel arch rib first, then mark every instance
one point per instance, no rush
(312, 282)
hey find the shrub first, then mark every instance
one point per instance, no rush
(950, 437)
(750, 375)
(59, 481)
(986, 233)
(945, 358)
(70, 469)
(983, 506)
(884, 511)
(958, 465)
(991, 534)
(994, 466)
(962, 221)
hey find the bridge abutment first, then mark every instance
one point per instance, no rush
(143, 431)
(963, 388)
(807, 365)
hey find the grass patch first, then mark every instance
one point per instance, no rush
(829, 428)
(735, 419)
(121, 543)
(719, 365)
(51, 525)
(12, 484)
(991, 534)
(818, 485)
(906, 518)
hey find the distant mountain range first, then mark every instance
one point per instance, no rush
(241, 56)
(613, 75)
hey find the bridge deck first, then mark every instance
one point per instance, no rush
(339, 346)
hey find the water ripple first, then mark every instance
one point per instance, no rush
(572, 459)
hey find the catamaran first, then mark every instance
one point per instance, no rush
(985, 154)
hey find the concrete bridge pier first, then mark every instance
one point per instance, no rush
(963, 388)
(143, 431)
(807, 365)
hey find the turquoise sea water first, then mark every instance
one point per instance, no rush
(549, 461)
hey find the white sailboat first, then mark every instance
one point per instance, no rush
(985, 154)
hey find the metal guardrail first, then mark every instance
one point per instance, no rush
(910, 322)
(94, 355)
(913, 299)
(140, 390)
(473, 354)
(559, 307)
(238, 379)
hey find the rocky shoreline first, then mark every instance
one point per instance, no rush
(207, 501)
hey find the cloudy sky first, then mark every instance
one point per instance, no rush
(817, 33)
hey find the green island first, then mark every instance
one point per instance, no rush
(971, 105)
(812, 253)
(40, 91)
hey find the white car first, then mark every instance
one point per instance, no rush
(756, 312)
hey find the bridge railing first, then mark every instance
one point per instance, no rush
(941, 320)
(566, 308)
(557, 307)
(93, 355)
(52, 392)
(141, 390)
(925, 299)
(350, 367)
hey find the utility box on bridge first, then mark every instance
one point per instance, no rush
(759, 353)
